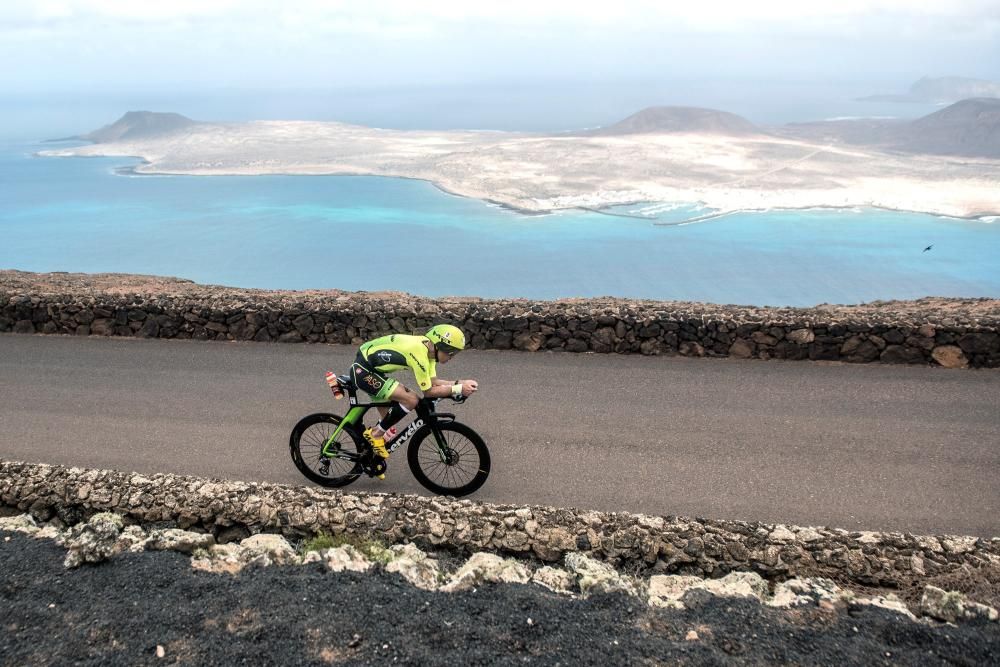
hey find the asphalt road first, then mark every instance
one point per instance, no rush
(860, 447)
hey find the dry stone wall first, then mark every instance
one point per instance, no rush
(232, 511)
(947, 332)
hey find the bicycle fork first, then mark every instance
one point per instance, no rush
(442, 445)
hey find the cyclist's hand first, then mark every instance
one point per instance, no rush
(469, 387)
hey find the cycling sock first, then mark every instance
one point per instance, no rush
(396, 412)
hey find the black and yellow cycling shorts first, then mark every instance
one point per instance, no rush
(378, 385)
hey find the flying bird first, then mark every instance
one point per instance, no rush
(928, 247)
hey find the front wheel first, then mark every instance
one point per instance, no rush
(456, 465)
(306, 445)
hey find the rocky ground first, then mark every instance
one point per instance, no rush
(153, 607)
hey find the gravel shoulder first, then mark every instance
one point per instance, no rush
(120, 611)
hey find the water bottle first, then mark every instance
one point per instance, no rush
(331, 379)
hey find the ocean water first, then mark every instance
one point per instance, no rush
(369, 233)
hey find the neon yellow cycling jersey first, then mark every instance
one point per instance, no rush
(398, 351)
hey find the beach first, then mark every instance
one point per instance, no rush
(537, 173)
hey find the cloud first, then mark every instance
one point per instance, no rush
(443, 15)
(302, 42)
(48, 11)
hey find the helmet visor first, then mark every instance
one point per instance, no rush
(445, 347)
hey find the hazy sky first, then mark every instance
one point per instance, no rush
(57, 45)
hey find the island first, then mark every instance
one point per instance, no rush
(940, 90)
(946, 163)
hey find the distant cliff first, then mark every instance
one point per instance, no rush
(941, 89)
(655, 120)
(139, 125)
(969, 128)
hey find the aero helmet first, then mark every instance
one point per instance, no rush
(447, 338)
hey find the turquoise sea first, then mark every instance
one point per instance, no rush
(369, 233)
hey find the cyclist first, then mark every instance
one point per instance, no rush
(420, 354)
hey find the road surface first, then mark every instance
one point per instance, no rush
(871, 447)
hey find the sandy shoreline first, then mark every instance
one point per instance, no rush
(602, 209)
(538, 174)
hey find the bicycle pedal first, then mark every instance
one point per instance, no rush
(378, 468)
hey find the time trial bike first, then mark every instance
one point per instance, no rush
(446, 457)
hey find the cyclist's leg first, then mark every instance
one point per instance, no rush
(405, 396)
(403, 400)
(380, 387)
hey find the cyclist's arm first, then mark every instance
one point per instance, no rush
(443, 388)
(439, 388)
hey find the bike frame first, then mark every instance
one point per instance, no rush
(426, 415)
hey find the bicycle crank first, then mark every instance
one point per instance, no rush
(378, 466)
